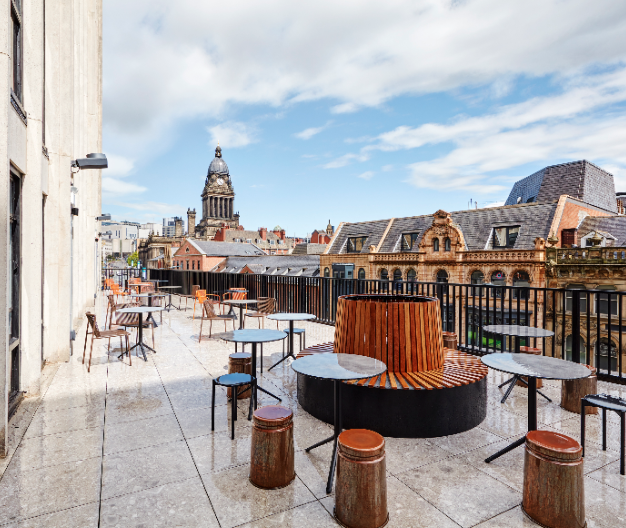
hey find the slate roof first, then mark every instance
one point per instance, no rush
(534, 220)
(580, 179)
(614, 225)
(373, 230)
(309, 249)
(225, 249)
(290, 265)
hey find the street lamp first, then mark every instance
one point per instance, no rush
(92, 161)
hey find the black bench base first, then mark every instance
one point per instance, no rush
(398, 413)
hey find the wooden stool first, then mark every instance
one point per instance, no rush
(553, 480)
(272, 454)
(361, 482)
(240, 362)
(572, 391)
(536, 352)
(449, 340)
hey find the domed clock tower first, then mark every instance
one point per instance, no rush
(218, 199)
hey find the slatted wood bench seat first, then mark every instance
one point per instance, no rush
(458, 369)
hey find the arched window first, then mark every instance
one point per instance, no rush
(478, 277)
(442, 276)
(411, 275)
(326, 272)
(361, 274)
(397, 275)
(447, 245)
(521, 280)
(569, 340)
(498, 278)
(435, 244)
(384, 274)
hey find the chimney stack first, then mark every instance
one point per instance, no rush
(178, 226)
(263, 232)
(191, 222)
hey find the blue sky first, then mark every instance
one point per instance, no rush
(355, 111)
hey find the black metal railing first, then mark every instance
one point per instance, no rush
(588, 324)
(120, 275)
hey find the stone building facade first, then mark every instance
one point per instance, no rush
(52, 114)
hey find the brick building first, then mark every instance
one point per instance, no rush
(203, 255)
(274, 242)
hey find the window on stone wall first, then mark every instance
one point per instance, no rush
(411, 275)
(569, 340)
(505, 236)
(361, 274)
(16, 18)
(384, 274)
(447, 245)
(409, 240)
(477, 277)
(569, 298)
(442, 276)
(522, 281)
(326, 272)
(356, 244)
(498, 278)
(604, 300)
(435, 244)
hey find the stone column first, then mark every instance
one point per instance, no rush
(230, 208)
(232, 205)
(221, 207)
(211, 207)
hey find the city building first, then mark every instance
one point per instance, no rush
(172, 227)
(123, 237)
(52, 115)
(322, 236)
(204, 255)
(151, 228)
(287, 265)
(218, 201)
(274, 242)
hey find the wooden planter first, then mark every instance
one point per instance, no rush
(402, 331)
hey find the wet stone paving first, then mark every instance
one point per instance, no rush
(131, 446)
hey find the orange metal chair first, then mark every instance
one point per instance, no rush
(194, 289)
(96, 333)
(198, 299)
(115, 288)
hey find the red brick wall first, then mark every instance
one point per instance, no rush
(571, 217)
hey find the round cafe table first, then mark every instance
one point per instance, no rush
(254, 337)
(291, 317)
(169, 302)
(241, 303)
(532, 367)
(140, 310)
(518, 331)
(339, 368)
(149, 296)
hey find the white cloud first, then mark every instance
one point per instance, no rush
(155, 208)
(162, 65)
(308, 133)
(368, 175)
(231, 134)
(346, 159)
(119, 166)
(112, 186)
(387, 168)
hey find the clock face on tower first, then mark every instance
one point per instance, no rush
(220, 181)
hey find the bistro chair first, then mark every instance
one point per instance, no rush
(235, 294)
(216, 300)
(210, 315)
(96, 333)
(200, 297)
(264, 307)
(117, 291)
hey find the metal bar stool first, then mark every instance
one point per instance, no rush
(299, 332)
(233, 381)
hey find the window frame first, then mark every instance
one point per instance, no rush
(407, 245)
(438, 277)
(361, 274)
(507, 239)
(436, 245)
(351, 244)
(17, 51)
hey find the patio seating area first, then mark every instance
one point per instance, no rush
(132, 446)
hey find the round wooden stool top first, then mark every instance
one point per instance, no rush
(272, 417)
(529, 350)
(361, 443)
(552, 445)
(241, 355)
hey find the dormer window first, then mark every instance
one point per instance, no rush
(505, 236)
(356, 244)
(408, 240)
(435, 244)
(186, 250)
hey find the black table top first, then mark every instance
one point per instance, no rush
(607, 401)
(140, 309)
(253, 336)
(149, 294)
(291, 317)
(240, 301)
(338, 366)
(518, 330)
(543, 367)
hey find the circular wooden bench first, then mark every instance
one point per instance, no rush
(429, 390)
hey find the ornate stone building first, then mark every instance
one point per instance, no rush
(218, 201)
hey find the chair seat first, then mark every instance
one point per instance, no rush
(256, 314)
(220, 316)
(113, 333)
(295, 330)
(234, 379)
